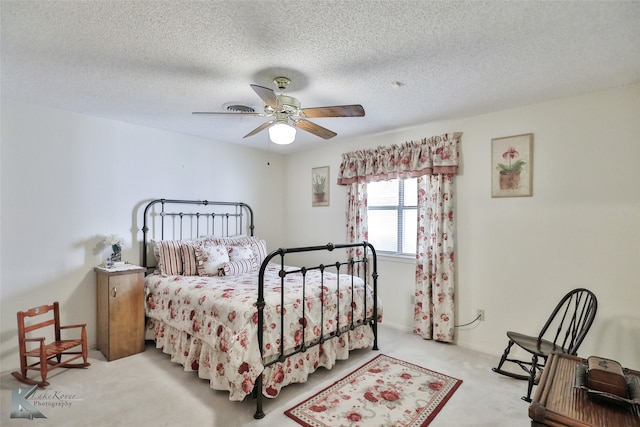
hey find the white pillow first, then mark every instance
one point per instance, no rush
(237, 253)
(210, 258)
(258, 245)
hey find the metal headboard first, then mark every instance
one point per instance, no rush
(167, 219)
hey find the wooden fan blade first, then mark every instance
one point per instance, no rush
(267, 95)
(355, 110)
(225, 113)
(314, 128)
(259, 128)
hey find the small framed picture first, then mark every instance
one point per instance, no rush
(320, 186)
(511, 166)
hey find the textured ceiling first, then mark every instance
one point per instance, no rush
(152, 63)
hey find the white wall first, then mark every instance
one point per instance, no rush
(518, 256)
(69, 178)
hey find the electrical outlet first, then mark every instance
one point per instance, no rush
(481, 315)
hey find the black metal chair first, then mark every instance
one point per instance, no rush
(563, 332)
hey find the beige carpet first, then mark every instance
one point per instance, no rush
(148, 390)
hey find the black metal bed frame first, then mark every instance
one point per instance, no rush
(242, 221)
(205, 220)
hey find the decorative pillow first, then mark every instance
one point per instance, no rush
(259, 246)
(187, 251)
(259, 250)
(232, 241)
(242, 266)
(168, 256)
(237, 253)
(210, 258)
(189, 262)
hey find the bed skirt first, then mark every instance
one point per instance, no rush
(196, 355)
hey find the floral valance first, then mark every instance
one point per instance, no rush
(435, 155)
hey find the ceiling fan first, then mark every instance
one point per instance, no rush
(287, 114)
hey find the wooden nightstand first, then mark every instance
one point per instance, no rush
(120, 310)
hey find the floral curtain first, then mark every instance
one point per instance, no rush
(434, 161)
(435, 155)
(435, 282)
(356, 220)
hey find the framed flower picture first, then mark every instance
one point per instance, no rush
(511, 166)
(320, 186)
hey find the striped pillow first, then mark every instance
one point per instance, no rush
(168, 256)
(241, 266)
(188, 253)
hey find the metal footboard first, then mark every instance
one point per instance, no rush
(369, 265)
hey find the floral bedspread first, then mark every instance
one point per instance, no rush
(209, 325)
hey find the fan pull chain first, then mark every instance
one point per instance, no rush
(268, 153)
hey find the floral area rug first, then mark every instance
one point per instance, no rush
(383, 392)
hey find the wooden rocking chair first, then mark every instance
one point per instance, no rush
(47, 352)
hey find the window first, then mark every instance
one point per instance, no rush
(392, 212)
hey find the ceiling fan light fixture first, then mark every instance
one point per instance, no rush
(281, 133)
(287, 114)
